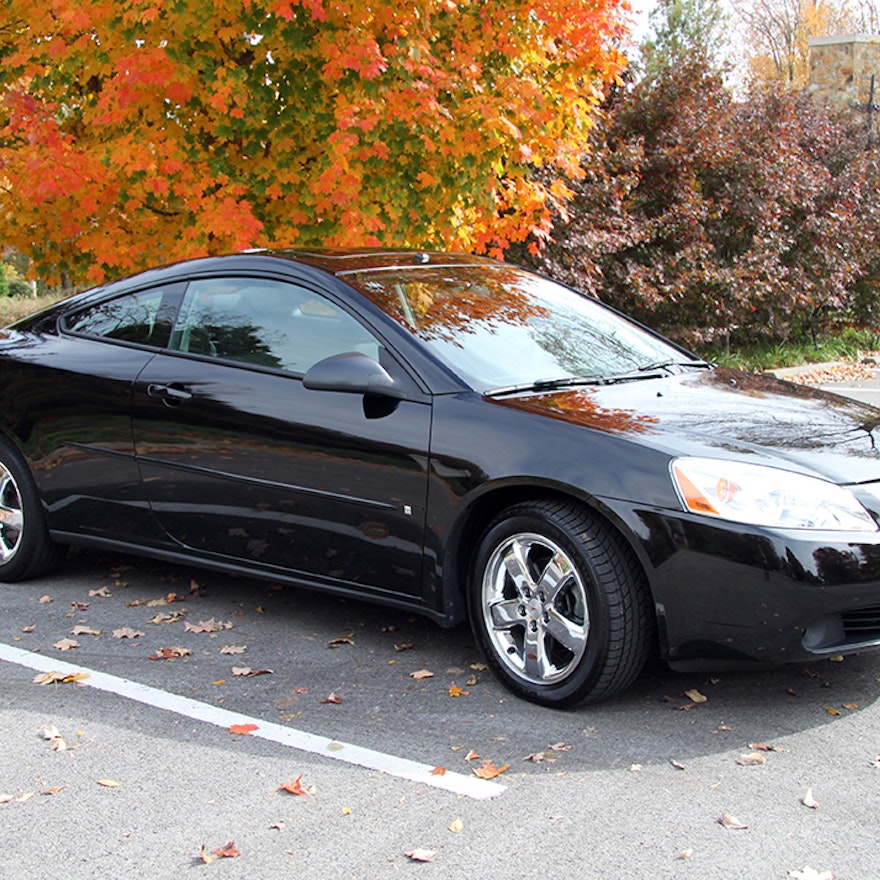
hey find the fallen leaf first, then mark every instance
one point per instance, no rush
(809, 873)
(66, 644)
(233, 649)
(536, 757)
(333, 698)
(420, 855)
(58, 744)
(677, 764)
(487, 770)
(44, 600)
(685, 854)
(438, 771)
(479, 667)
(60, 677)
(6, 798)
(406, 646)
(54, 790)
(831, 710)
(169, 617)
(753, 759)
(126, 632)
(851, 706)
(338, 643)
(296, 787)
(456, 691)
(243, 729)
(422, 673)
(103, 592)
(809, 801)
(472, 756)
(456, 826)
(29, 629)
(729, 821)
(346, 811)
(49, 731)
(695, 696)
(170, 653)
(207, 626)
(205, 856)
(247, 671)
(108, 783)
(766, 747)
(635, 768)
(226, 852)
(81, 630)
(561, 747)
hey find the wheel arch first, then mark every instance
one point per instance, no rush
(464, 537)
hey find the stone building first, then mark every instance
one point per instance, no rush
(845, 70)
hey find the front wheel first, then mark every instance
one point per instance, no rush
(559, 604)
(26, 550)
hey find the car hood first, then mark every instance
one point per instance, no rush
(728, 413)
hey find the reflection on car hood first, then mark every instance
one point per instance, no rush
(727, 411)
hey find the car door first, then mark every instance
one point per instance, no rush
(240, 462)
(73, 406)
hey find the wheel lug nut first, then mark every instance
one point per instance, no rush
(521, 610)
(533, 625)
(546, 617)
(527, 593)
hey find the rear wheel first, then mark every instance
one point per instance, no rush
(559, 604)
(26, 551)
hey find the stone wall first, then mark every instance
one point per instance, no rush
(841, 69)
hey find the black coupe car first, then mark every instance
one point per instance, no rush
(451, 435)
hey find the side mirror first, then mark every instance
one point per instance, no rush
(352, 373)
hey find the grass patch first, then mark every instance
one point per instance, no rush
(849, 345)
(14, 308)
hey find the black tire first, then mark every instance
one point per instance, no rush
(559, 604)
(26, 550)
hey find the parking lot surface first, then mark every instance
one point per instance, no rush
(381, 719)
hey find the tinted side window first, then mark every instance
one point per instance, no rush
(268, 323)
(145, 317)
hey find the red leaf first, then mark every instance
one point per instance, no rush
(243, 729)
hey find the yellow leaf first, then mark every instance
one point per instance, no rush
(109, 783)
(457, 826)
(456, 691)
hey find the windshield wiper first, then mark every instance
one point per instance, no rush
(546, 385)
(645, 371)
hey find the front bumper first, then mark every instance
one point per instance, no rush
(730, 595)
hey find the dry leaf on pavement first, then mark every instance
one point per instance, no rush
(729, 821)
(296, 787)
(420, 855)
(753, 759)
(66, 644)
(81, 630)
(809, 801)
(126, 632)
(170, 653)
(243, 729)
(422, 673)
(487, 770)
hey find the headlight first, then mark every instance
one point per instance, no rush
(766, 496)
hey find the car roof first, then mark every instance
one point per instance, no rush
(343, 260)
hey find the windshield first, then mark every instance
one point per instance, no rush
(499, 326)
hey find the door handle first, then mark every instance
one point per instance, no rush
(169, 394)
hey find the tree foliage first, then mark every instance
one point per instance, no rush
(137, 131)
(706, 216)
(681, 28)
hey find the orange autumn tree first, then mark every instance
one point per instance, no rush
(134, 132)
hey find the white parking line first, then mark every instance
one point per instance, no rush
(402, 768)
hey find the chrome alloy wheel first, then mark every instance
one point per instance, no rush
(11, 516)
(535, 608)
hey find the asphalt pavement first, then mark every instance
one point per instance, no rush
(865, 388)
